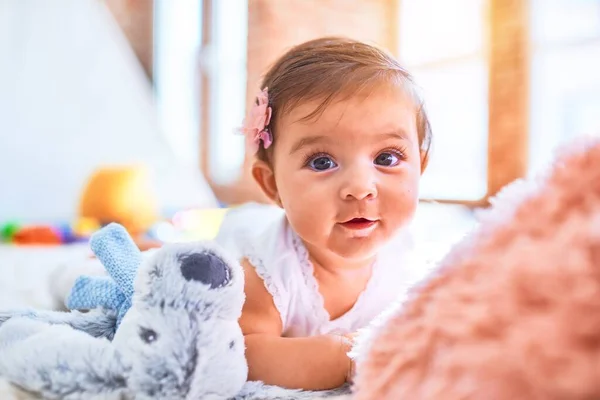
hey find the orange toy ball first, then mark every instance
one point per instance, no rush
(122, 194)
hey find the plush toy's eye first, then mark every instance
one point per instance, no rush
(148, 335)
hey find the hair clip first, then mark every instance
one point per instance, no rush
(256, 124)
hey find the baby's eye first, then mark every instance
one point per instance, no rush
(387, 159)
(322, 163)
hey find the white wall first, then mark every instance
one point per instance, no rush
(73, 97)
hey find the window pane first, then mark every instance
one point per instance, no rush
(227, 71)
(432, 30)
(456, 100)
(554, 21)
(177, 40)
(565, 98)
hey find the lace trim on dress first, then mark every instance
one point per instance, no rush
(318, 303)
(250, 254)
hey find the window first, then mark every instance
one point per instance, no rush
(442, 43)
(565, 83)
(200, 82)
(225, 70)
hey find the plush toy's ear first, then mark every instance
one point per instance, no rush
(118, 253)
(90, 292)
(205, 267)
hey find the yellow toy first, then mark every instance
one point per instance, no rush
(122, 194)
(85, 227)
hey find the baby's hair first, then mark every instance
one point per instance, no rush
(325, 69)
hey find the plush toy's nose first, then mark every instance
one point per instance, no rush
(206, 268)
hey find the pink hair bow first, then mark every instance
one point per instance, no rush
(256, 123)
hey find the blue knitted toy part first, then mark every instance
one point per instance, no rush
(115, 249)
(88, 293)
(118, 253)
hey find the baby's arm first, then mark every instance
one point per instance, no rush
(311, 363)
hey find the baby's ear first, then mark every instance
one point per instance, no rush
(424, 160)
(265, 177)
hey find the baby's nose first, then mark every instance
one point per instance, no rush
(359, 185)
(205, 267)
(366, 192)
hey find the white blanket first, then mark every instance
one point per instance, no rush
(26, 281)
(26, 274)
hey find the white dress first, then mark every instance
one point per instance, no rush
(262, 235)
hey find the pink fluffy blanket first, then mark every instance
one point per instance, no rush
(514, 310)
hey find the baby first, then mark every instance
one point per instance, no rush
(341, 140)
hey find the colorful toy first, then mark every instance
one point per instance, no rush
(514, 310)
(122, 194)
(198, 224)
(37, 235)
(7, 232)
(43, 235)
(84, 227)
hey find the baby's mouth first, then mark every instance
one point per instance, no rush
(358, 223)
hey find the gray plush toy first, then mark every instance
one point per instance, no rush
(178, 336)
(161, 327)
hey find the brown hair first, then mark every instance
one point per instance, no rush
(325, 68)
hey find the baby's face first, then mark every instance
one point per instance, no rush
(349, 179)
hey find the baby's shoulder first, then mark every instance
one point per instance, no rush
(267, 253)
(272, 250)
(246, 224)
(256, 232)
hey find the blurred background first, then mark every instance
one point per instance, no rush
(125, 110)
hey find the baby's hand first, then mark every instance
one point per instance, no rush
(348, 342)
(351, 336)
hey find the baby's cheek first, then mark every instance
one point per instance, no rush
(400, 202)
(302, 196)
(308, 210)
(305, 209)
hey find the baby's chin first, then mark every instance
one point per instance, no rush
(356, 249)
